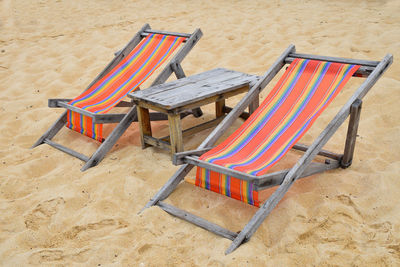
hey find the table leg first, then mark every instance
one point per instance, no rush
(254, 105)
(175, 130)
(219, 108)
(144, 124)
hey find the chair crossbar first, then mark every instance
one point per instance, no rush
(66, 150)
(189, 217)
(361, 62)
(150, 31)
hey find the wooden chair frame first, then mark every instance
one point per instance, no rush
(124, 120)
(373, 70)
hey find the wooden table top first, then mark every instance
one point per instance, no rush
(194, 88)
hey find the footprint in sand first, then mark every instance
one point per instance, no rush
(41, 215)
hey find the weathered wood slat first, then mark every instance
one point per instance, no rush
(192, 90)
(179, 73)
(76, 109)
(157, 142)
(144, 124)
(219, 108)
(146, 32)
(368, 63)
(53, 102)
(195, 92)
(66, 150)
(352, 129)
(178, 158)
(196, 220)
(324, 153)
(221, 169)
(276, 178)
(181, 82)
(212, 76)
(175, 131)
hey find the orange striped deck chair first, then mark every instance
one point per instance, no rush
(239, 167)
(142, 56)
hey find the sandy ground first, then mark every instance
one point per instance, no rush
(52, 214)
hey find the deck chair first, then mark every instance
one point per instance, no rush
(238, 166)
(131, 66)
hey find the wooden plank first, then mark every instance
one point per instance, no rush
(177, 68)
(156, 142)
(221, 169)
(276, 178)
(195, 129)
(324, 153)
(66, 150)
(144, 124)
(368, 63)
(178, 158)
(180, 55)
(146, 32)
(191, 83)
(352, 129)
(149, 106)
(76, 109)
(176, 83)
(175, 130)
(245, 102)
(194, 92)
(219, 108)
(53, 102)
(108, 118)
(196, 220)
(309, 155)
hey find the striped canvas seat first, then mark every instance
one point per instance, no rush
(304, 91)
(125, 77)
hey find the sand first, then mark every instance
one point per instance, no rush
(54, 215)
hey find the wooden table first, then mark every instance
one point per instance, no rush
(176, 97)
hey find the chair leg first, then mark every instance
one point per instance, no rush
(53, 130)
(111, 139)
(169, 186)
(260, 216)
(355, 112)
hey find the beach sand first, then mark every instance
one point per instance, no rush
(53, 214)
